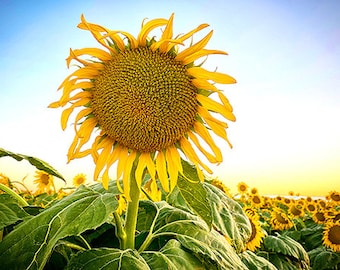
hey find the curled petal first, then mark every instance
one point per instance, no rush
(218, 77)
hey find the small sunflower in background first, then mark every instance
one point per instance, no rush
(311, 207)
(331, 236)
(5, 181)
(280, 220)
(242, 187)
(79, 179)
(257, 233)
(256, 200)
(254, 191)
(145, 102)
(296, 210)
(44, 182)
(334, 196)
(319, 217)
(219, 184)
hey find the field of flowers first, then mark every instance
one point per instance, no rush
(200, 225)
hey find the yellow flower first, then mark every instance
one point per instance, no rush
(331, 236)
(219, 184)
(334, 196)
(280, 220)
(122, 204)
(79, 179)
(5, 181)
(152, 191)
(257, 233)
(149, 102)
(254, 191)
(45, 182)
(311, 207)
(296, 210)
(319, 217)
(256, 200)
(242, 187)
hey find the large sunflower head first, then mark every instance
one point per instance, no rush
(257, 233)
(331, 236)
(280, 220)
(146, 101)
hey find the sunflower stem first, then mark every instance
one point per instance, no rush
(132, 212)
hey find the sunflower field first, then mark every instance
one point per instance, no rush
(199, 225)
(145, 106)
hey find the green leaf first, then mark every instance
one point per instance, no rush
(285, 245)
(283, 263)
(10, 211)
(193, 234)
(322, 258)
(107, 258)
(194, 193)
(172, 256)
(228, 217)
(254, 262)
(38, 163)
(30, 244)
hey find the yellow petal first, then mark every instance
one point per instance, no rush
(190, 153)
(173, 161)
(140, 169)
(147, 28)
(116, 39)
(225, 101)
(189, 34)
(194, 48)
(96, 52)
(218, 77)
(162, 43)
(209, 156)
(167, 34)
(102, 158)
(203, 84)
(192, 57)
(214, 106)
(131, 38)
(201, 130)
(55, 104)
(162, 171)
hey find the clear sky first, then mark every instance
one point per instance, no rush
(285, 56)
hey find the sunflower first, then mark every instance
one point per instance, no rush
(79, 179)
(151, 191)
(319, 217)
(296, 210)
(5, 181)
(254, 191)
(311, 207)
(279, 220)
(256, 200)
(242, 187)
(45, 182)
(257, 233)
(219, 184)
(149, 102)
(334, 196)
(331, 236)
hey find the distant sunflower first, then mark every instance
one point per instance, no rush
(331, 236)
(311, 207)
(280, 220)
(149, 101)
(319, 217)
(296, 210)
(334, 196)
(256, 200)
(5, 181)
(219, 184)
(242, 187)
(254, 191)
(79, 179)
(45, 182)
(257, 233)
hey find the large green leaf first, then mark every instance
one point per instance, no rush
(228, 217)
(293, 251)
(38, 163)
(172, 256)
(10, 211)
(107, 258)
(322, 258)
(193, 234)
(194, 193)
(254, 262)
(285, 245)
(30, 244)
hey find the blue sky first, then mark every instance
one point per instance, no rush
(285, 56)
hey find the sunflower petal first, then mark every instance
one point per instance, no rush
(214, 106)
(173, 161)
(96, 52)
(194, 48)
(218, 77)
(209, 156)
(147, 28)
(162, 171)
(192, 57)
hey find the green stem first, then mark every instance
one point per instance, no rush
(120, 232)
(132, 212)
(16, 196)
